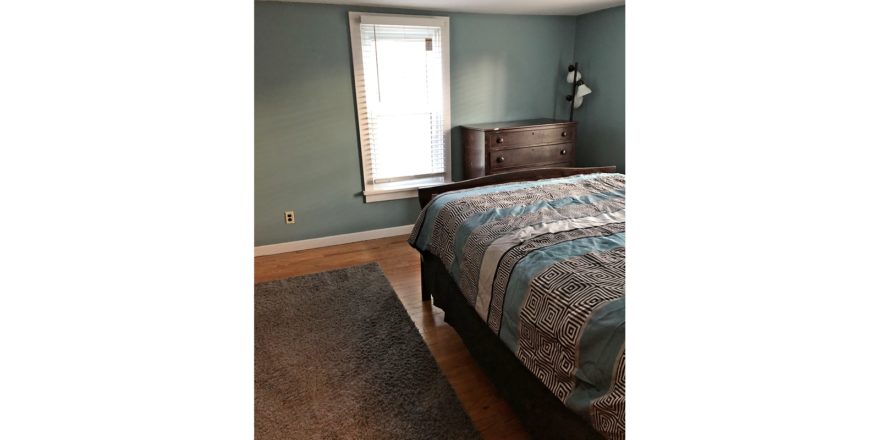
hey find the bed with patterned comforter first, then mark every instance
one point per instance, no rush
(542, 263)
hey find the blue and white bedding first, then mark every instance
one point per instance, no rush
(543, 264)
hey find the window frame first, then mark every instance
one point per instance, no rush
(407, 188)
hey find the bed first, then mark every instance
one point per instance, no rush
(529, 269)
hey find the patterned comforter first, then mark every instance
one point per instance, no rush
(543, 264)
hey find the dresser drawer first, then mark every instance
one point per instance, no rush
(521, 138)
(529, 156)
(558, 135)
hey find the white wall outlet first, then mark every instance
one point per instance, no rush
(289, 218)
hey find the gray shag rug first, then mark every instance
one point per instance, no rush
(337, 357)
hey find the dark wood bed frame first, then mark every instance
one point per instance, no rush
(542, 414)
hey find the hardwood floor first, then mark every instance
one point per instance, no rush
(400, 263)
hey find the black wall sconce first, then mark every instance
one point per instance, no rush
(578, 89)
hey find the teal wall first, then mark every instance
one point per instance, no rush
(503, 67)
(600, 49)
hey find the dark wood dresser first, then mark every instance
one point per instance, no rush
(499, 147)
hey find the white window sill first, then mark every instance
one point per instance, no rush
(400, 190)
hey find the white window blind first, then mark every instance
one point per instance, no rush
(402, 99)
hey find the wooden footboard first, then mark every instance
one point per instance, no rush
(426, 194)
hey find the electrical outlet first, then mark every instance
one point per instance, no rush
(289, 218)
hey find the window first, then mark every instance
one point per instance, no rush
(401, 69)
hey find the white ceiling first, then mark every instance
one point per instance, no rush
(520, 7)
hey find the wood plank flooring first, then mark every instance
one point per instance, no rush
(491, 415)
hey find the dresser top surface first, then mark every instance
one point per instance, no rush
(490, 126)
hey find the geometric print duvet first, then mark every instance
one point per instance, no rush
(543, 264)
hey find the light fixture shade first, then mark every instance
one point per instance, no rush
(578, 101)
(571, 79)
(582, 91)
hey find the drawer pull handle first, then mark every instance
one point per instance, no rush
(563, 152)
(499, 140)
(500, 159)
(564, 134)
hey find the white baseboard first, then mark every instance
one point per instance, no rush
(332, 240)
